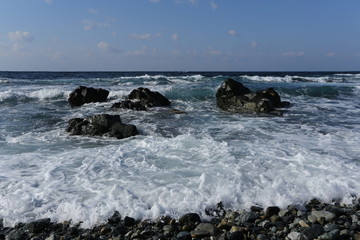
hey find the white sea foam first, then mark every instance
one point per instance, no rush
(40, 94)
(148, 176)
(269, 78)
(288, 79)
(48, 93)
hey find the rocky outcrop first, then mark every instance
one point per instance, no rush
(233, 96)
(82, 95)
(149, 98)
(101, 125)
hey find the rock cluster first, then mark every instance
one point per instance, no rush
(110, 125)
(101, 125)
(315, 220)
(233, 96)
(142, 98)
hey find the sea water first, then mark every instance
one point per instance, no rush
(179, 163)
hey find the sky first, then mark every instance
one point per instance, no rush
(179, 35)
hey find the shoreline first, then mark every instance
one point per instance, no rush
(315, 220)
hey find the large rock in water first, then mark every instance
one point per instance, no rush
(233, 96)
(101, 125)
(149, 98)
(82, 95)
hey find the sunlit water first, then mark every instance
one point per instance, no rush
(180, 162)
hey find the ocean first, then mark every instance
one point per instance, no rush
(179, 163)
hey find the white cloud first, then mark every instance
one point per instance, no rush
(48, 1)
(194, 2)
(214, 52)
(254, 44)
(92, 11)
(213, 5)
(293, 54)
(175, 36)
(331, 54)
(107, 47)
(20, 36)
(233, 33)
(17, 47)
(144, 36)
(90, 24)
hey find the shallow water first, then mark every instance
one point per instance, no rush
(178, 163)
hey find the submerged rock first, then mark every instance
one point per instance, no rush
(233, 96)
(101, 125)
(82, 95)
(127, 104)
(149, 98)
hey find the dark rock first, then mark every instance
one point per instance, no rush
(247, 217)
(177, 111)
(101, 125)
(256, 209)
(270, 211)
(233, 96)
(37, 226)
(238, 235)
(115, 218)
(129, 221)
(262, 237)
(330, 235)
(183, 235)
(189, 219)
(17, 235)
(127, 104)
(206, 227)
(82, 95)
(199, 234)
(312, 232)
(149, 98)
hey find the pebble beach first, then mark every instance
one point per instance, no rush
(314, 220)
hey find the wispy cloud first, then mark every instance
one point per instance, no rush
(194, 2)
(90, 24)
(254, 44)
(214, 52)
(175, 36)
(48, 1)
(17, 47)
(213, 5)
(92, 11)
(293, 54)
(20, 36)
(233, 33)
(331, 54)
(144, 36)
(109, 48)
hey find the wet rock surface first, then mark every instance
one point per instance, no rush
(101, 125)
(149, 98)
(233, 96)
(271, 223)
(82, 95)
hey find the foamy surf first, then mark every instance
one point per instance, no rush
(179, 163)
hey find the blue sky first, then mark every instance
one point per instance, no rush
(180, 35)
